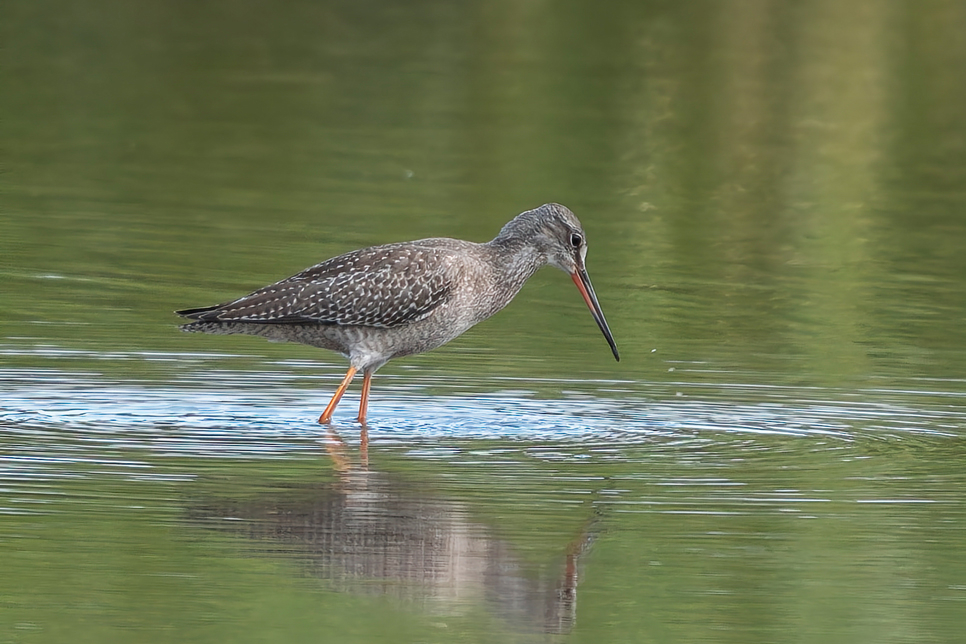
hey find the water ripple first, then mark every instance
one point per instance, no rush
(222, 420)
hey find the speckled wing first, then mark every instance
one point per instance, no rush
(383, 286)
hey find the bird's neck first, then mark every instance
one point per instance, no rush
(515, 261)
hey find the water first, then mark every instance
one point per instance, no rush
(774, 208)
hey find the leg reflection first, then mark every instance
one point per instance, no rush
(338, 451)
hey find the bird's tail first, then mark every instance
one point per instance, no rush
(197, 314)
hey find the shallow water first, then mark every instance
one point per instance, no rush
(773, 201)
(214, 507)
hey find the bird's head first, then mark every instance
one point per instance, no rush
(557, 235)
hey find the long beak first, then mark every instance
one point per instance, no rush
(582, 280)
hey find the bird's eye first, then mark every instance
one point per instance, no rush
(576, 240)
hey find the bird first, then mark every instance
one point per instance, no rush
(384, 302)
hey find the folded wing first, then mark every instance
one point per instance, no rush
(383, 286)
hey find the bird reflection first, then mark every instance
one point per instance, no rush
(369, 534)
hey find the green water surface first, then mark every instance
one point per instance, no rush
(774, 200)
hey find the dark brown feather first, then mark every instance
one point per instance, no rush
(382, 286)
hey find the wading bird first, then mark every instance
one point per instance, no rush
(379, 303)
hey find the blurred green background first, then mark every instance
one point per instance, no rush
(767, 186)
(773, 194)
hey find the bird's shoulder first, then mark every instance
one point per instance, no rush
(404, 259)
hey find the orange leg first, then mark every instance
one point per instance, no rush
(364, 401)
(326, 416)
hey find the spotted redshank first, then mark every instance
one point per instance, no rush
(383, 302)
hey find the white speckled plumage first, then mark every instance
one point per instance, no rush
(379, 303)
